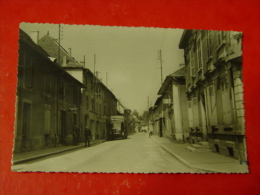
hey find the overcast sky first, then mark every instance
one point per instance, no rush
(128, 55)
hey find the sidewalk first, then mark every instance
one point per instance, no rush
(32, 155)
(207, 161)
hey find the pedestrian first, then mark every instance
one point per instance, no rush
(150, 133)
(87, 137)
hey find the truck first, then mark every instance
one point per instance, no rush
(117, 128)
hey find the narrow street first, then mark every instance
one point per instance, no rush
(137, 154)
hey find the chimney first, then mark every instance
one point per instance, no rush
(35, 36)
(70, 51)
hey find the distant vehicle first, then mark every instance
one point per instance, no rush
(144, 129)
(118, 128)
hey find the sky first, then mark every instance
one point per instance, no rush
(126, 57)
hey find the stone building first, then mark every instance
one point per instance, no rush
(98, 103)
(171, 108)
(215, 90)
(48, 100)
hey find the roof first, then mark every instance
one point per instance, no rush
(184, 38)
(158, 100)
(26, 39)
(179, 74)
(90, 72)
(48, 43)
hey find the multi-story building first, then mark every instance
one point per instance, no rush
(157, 118)
(171, 108)
(214, 89)
(98, 103)
(48, 100)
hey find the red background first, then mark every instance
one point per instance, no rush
(239, 15)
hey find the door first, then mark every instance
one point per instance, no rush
(160, 127)
(26, 125)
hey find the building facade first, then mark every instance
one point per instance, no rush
(48, 100)
(158, 117)
(171, 108)
(215, 90)
(98, 103)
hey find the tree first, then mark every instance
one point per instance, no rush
(135, 113)
(145, 117)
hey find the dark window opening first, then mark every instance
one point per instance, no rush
(230, 151)
(214, 129)
(228, 129)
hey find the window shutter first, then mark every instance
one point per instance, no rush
(204, 54)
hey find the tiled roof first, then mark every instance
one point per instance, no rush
(26, 39)
(179, 73)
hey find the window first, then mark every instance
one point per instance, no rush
(209, 44)
(211, 90)
(189, 104)
(192, 67)
(47, 84)
(220, 37)
(87, 102)
(28, 72)
(224, 84)
(194, 100)
(199, 53)
(93, 104)
(61, 88)
(75, 95)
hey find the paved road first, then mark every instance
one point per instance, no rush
(137, 154)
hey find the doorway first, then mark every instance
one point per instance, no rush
(26, 125)
(160, 127)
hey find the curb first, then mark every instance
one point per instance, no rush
(184, 161)
(52, 153)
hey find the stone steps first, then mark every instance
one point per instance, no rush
(199, 147)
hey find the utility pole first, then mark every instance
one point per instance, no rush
(148, 103)
(106, 77)
(94, 63)
(160, 59)
(83, 63)
(148, 115)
